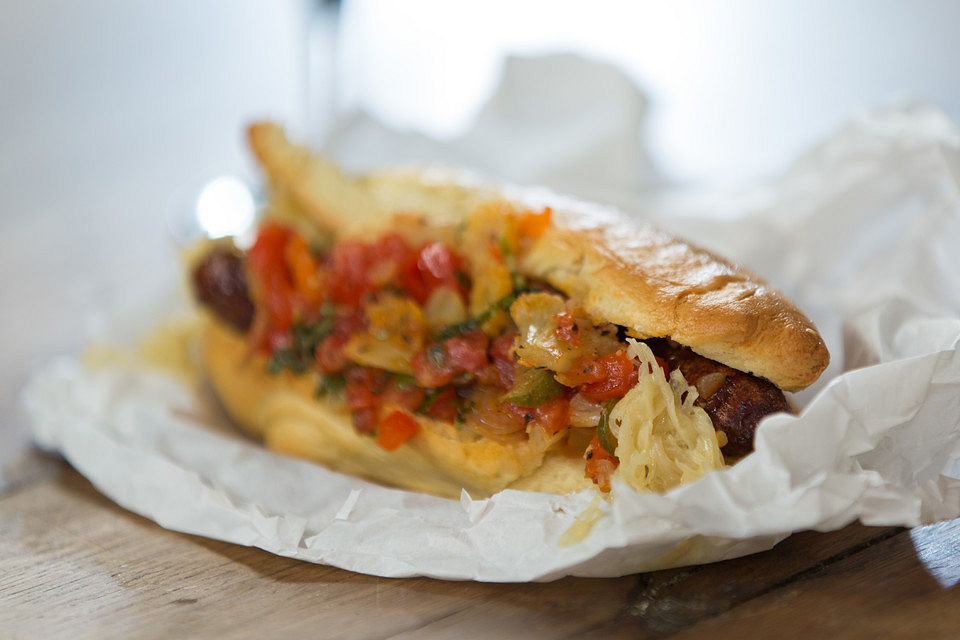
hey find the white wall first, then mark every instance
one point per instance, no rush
(736, 87)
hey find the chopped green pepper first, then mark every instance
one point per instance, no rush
(533, 387)
(607, 440)
(304, 339)
(404, 381)
(428, 399)
(330, 385)
(285, 359)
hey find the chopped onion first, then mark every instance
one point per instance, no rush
(535, 315)
(584, 413)
(444, 308)
(707, 385)
(492, 419)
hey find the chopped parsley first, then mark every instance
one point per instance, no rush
(304, 338)
(477, 321)
(285, 359)
(404, 381)
(330, 385)
(428, 400)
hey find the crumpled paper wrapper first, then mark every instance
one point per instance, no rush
(863, 231)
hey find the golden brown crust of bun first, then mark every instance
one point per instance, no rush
(284, 413)
(622, 270)
(315, 185)
(656, 285)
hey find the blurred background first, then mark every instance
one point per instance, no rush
(115, 114)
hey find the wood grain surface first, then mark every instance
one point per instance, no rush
(92, 159)
(73, 564)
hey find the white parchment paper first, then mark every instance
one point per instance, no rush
(863, 231)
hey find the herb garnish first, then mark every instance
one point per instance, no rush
(304, 339)
(330, 385)
(404, 381)
(477, 321)
(606, 438)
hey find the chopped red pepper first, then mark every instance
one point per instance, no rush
(269, 268)
(468, 352)
(304, 270)
(437, 364)
(330, 356)
(362, 395)
(533, 225)
(398, 260)
(439, 266)
(395, 429)
(363, 387)
(503, 368)
(364, 419)
(605, 378)
(276, 339)
(600, 465)
(349, 262)
(444, 406)
(409, 397)
(553, 416)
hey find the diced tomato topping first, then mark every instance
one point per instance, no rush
(439, 265)
(357, 269)
(330, 356)
(513, 413)
(391, 247)
(364, 420)
(362, 395)
(276, 339)
(395, 429)
(348, 272)
(444, 406)
(501, 354)
(567, 329)
(430, 367)
(489, 376)
(409, 397)
(500, 372)
(411, 281)
(608, 377)
(533, 225)
(600, 465)
(394, 256)
(364, 386)
(274, 283)
(553, 416)
(437, 364)
(468, 352)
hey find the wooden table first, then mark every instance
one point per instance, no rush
(73, 564)
(88, 165)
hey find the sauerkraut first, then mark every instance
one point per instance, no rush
(663, 440)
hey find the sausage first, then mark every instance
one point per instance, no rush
(221, 284)
(734, 400)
